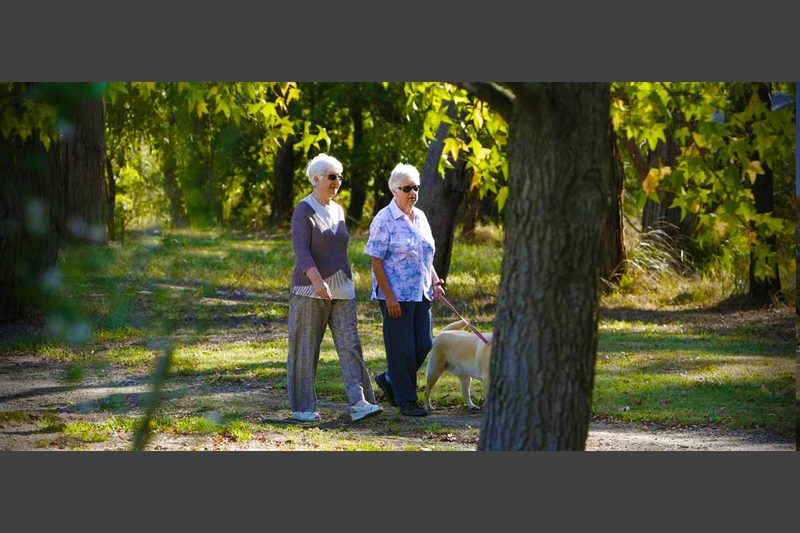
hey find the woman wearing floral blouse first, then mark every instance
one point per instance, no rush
(405, 283)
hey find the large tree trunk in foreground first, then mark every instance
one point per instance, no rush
(545, 342)
(31, 221)
(440, 199)
(81, 164)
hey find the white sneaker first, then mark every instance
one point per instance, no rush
(363, 411)
(305, 416)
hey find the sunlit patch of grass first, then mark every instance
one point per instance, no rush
(131, 356)
(695, 379)
(86, 432)
(117, 335)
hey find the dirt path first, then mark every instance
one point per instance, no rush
(33, 388)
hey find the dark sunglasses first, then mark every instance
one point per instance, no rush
(408, 188)
(335, 177)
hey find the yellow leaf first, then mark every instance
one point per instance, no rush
(698, 139)
(720, 226)
(753, 169)
(654, 177)
(476, 181)
(690, 151)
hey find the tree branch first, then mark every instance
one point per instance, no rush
(498, 98)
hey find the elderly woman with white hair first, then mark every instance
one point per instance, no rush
(404, 283)
(322, 295)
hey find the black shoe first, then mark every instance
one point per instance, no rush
(413, 409)
(386, 387)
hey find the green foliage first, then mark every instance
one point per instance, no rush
(727, 136)
(478, 134)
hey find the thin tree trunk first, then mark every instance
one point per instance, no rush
(357, 173)
(472, 213)
(545, 341)
(169, 165)
(659, 215)
(111, 200)
(763, 291)
(614, 240)
(283, 184)
(440, 198)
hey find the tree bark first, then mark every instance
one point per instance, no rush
(614, 237)
(43, 196)
(763, 291)
(81, 163)
(471, 213)
(545, 340)
(357, 173)
(111, 200)
(440, 199)
(283, 184)
(169, 165)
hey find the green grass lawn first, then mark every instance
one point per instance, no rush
(222, 300)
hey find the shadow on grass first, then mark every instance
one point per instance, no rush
(612, 342)
(709, 320)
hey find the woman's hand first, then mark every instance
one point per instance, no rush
(438, 291)
(322, 289)
(393, 307)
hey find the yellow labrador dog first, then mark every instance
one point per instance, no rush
(462, 354)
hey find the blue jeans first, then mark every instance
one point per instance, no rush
(407, 340)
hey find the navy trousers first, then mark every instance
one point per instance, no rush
(408, 340)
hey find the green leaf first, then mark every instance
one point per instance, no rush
(502, 195)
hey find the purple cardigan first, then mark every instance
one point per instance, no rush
(313, 247)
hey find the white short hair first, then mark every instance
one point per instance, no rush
(403, 171)
(321, 165)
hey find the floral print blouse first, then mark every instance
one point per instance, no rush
(407, 250)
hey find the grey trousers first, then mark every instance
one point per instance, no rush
(308, 318)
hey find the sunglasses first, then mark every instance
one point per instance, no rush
(335, 177)
(408, 188)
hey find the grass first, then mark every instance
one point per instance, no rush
(222, 301)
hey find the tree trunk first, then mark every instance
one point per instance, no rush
(614, 238)
(357, 180)
(472, 213)
(169, 165)
(763, 291)
(283, 184)
(45, 194)
(659, 215)
(545, 341)
(440, 199)
(31, 193)
(81, 162)
(111, 200)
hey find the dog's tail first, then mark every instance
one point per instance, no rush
(460, 324)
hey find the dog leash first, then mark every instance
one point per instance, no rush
(470, 326)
